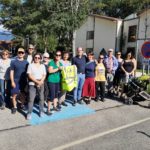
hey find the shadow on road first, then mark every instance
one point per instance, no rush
(144, 133)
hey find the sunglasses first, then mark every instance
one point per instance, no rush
(46, 57)
(101, 58)
(58, 55)
(20, 52)
(37, 58)
(4, 54)
(118, 54)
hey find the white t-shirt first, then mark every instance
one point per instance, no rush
(36, 72)
(29, 59)
(4, 69)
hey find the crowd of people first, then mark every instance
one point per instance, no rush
(31, 75)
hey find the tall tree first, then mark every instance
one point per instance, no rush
(44, 19)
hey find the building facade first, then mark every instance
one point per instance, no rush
(99, 32)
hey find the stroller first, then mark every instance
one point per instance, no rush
(135, 90)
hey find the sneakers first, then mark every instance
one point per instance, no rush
(29, 116)
(41, 114)
(102, 99)
(13, 110)
(2, 107)
(74, 103)
(80, 102)
(64, 104)
(59, 106)
(56, 109)
(49, 113)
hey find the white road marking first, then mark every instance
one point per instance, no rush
(100, 134)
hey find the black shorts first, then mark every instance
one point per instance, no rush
(54, 89)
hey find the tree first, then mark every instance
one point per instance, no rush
(43, 20)
(118, 8)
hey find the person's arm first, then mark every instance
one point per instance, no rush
(12, 75)
(52, 70)
(12, 78)
(115, 64)
(123, 67)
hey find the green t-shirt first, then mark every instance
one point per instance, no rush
(54, 77)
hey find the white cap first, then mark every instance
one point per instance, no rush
(46, 54)
(110, 50)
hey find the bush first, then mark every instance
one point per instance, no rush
(145, 79)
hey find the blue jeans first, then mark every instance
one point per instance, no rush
(2, 91)
(78, 90)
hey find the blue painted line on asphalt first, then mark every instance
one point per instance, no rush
(65, 113)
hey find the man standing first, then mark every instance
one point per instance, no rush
(79, 61)
(18, 77)
(111, 65)
(30, 52)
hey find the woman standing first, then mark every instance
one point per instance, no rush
(128, 67)
(89, 84)
(118, 73)
(36, 74)
(4, 75)
(100, 79)
(54, 77)
(65, 62)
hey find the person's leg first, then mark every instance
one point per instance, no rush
(62, 97)
(91, 88)
(51, 97)
(41, 99)
(110, 78)
(57, 90)
(76, 90)
(80, 86)
(102, 90)
(32, 94)
(2, 92)
(97, 88)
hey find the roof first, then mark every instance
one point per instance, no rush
(6, 36)
(105, 17)
(143, 11)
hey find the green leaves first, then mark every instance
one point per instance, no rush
(47, 22)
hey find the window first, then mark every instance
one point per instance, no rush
(90, 35)
(132, 33)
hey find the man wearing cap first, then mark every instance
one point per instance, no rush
(111, 65)
(79, 61)
(18, 77)
(30, 53)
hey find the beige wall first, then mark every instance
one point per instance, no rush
(105, 34)
(142, 25)
(104, 37)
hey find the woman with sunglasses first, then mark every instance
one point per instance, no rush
(36, 74)
(54, 77)
(128, 67)
(4, 75)
(119, 72)
(100, 79)
(89, 84)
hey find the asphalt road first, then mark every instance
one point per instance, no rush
(114, 126)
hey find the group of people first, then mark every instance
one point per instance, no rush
(30, 75)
